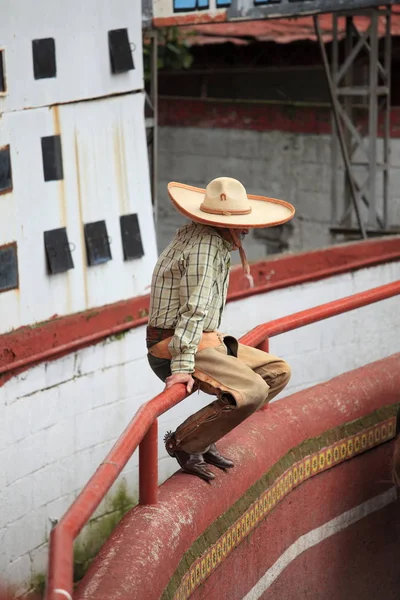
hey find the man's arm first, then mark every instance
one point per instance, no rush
(195, 292)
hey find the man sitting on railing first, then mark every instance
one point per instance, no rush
(188, 294)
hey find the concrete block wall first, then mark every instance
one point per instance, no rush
(59, 419)
(292, 166)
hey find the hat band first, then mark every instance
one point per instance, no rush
(228, 213)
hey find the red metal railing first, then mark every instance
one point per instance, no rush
(142, 432)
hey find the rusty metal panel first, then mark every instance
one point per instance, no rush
(57, 51)
(169, 12)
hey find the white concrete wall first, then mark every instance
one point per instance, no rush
(100, 118)
(294, 167)
(80, 31)
(58, 420)
(105, 176)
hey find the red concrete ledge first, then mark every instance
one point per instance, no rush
(158, 551)
(256, 116)
(30, 345)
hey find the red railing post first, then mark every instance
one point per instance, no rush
(148, 466)
(264, 346)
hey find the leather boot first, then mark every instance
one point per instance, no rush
(190, 463)
(213, 457)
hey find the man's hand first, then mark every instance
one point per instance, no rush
(180, 378)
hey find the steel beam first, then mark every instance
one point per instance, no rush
(365, 171)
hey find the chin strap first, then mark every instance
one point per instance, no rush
(243, 258)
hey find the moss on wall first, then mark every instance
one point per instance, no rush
(98, 530)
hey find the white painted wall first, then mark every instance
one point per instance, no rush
(105, 176)
(80, 30)
(100, 118)
(58, 420)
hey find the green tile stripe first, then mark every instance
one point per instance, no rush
(311, 457)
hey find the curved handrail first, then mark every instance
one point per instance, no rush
(142, 432)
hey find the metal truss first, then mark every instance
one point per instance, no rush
(359, 84)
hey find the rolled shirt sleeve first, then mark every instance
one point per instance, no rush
(196, 288)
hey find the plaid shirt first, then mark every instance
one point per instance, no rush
(188, 290)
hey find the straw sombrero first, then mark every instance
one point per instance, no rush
(225, 203)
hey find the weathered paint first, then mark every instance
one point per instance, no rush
(81, 47)
(255, 116)
(276, 273)
(95, 178)
(192, 518)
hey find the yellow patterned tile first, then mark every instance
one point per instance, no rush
(336, 453)
(377, 435)
(390, 428)
(214, 558)
(209, 562)
(370, 438)
(314, 464)
(343, 451)
(295, 475)
(219, 552)
(301, 471)
(229, 541)
(198, 574)
(322, 460)
(307, 467)
(364, 441)
(357, 443)
(329, 457)
(203, 568)
(350, 447)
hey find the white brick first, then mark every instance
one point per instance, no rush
(25, 384)
(47, 485)
(18, 574)
(19, 420)
(32, 525)
(30, 454)
(39, 559)
(88, 461)
(58, 507)
(57, 371)
(59, 440)
(46, 407)
(16, 500)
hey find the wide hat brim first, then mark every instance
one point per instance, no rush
(265, 212)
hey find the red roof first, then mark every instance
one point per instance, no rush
(278, 30)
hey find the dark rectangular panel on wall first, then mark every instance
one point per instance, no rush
(5, 170)
(58, 251)
(44, 58)
(8, 267)
(52, 158)
(2, 73)
(120, 51)
(97, 243)
(131, 238)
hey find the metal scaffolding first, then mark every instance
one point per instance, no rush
(359, 84)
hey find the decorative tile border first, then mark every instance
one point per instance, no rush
(300, 471)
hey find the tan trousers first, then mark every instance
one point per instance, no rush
(243, 383)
